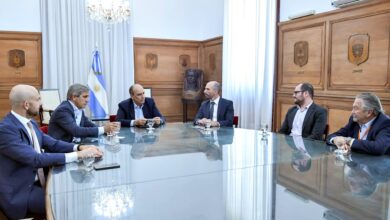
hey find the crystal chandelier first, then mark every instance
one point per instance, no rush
(108, 11)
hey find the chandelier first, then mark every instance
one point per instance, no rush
(108, 11)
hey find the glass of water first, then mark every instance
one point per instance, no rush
(88, 161)
(207, 124)
(150, 123)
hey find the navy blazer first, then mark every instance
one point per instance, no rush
(378, 137)
(63, 125)
(126, 111)
(225, 112)
(314, 123)
(19, 163)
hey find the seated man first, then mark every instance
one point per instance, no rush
(68, 121)
(135, 110)
(219, 110)
(22, 188)
(368, 128)
(306, 118)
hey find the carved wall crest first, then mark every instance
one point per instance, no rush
(184, 60)
(358, 48)
(16, 58)
(301, 53)
(151, 61)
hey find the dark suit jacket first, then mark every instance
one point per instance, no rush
(63, 125)
(126, 111)
(313, 125)
(225, 113)
(378, 137)
(19, 162)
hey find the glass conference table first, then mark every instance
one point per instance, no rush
(183, 172)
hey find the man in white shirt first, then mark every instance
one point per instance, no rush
(306, 118)
(216, 109)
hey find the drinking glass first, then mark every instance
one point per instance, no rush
(117, 127)
(88, 160)
(208, 124)
(150, 124)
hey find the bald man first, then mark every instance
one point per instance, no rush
(219, 110)
(135, 110)
(22, 158)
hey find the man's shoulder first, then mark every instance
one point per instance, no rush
(227, 101)
(125, 102)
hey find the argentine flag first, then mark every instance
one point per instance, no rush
(97, 85)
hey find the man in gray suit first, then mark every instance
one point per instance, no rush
(305, 119)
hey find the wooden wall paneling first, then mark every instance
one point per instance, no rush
(29, 73)
(291, 72)
(372, 74)
(212, 59)
(166, 73)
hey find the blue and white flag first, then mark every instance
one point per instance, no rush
(97, 85)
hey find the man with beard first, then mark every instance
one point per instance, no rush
(219, 110)
(22, 180)
(306, 119)
(368, 128)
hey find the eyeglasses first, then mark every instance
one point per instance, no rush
(296, 92)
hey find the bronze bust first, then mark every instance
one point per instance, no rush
(192, 86)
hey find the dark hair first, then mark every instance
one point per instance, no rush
(309, 88)
(76, 90)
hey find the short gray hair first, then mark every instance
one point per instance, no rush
(371, 102)
(76, 90)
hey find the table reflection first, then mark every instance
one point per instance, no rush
(181, 171)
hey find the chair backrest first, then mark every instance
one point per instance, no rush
(44, 129)
(235, 121)
(112, 118)
(326, 131)
(50, 100)
(148, 92)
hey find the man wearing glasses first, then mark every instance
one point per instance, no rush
(306, 119)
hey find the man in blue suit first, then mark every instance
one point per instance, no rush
(137, 109)
(219, 110)
(68, 121)
(368, 128)
(22, 158)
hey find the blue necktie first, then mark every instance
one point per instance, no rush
(211, 110)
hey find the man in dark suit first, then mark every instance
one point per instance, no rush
(137, 109)
(306, 118)
(368, 128)
(22, 159)
(68, 121)
(219, 110)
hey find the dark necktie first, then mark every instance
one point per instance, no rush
(211, 110)
(40, 173)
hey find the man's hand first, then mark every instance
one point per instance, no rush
(110, 127)
(157, 120)
(87, 150)
(339, 141)
(140, 122)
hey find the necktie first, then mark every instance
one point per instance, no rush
(211, 110)
(40, 173)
